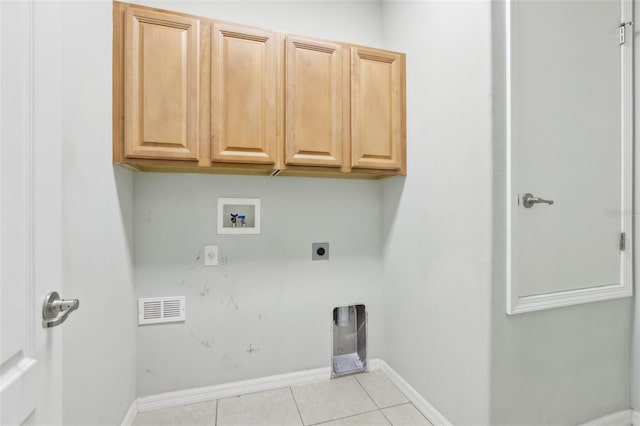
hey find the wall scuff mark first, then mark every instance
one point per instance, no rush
(232, 300)
(205, 290)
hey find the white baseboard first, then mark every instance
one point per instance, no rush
(374, 364)
(621, 418)
(428, 410)
(207, 393)
(131, 414)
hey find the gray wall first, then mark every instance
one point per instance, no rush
(267, 308)
(423, 243)
(99, 339)
(560, 366)
(437, 221)
(354, 21)
(444, 249)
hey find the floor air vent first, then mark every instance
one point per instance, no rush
(155, 310)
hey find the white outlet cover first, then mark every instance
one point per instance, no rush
(211, 255)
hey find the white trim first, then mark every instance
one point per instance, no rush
(131, 414)
(517, 303)
(567, 298)
(29, 185)
(375, 364)
(511, 178)
(621, 418)
(16, 372)
(207, 393)
(424, 406)
(225, 390)
(626, 127)
(635, 418)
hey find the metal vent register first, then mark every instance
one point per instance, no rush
(155, 310)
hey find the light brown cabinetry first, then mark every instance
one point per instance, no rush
(194, 94)
(244, 94)
(315, 103)
(160, 85)
(377, 109)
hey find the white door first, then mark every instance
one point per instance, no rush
(30, 243)
(568, 85)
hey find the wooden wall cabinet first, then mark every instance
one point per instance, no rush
(193, 94)
(244, 91)
(315, 103)
(160, 85)
(377, 109)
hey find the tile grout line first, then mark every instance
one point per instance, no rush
(396, 388)
(407, 400)
(374, 401)
(407, 403)
(398, 405)
(296, 404)
(365, 391)
(240, 395)
(345, 417)
(385, 416)
(216, 419)
(381, 409)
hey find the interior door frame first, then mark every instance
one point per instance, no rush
(518, 303)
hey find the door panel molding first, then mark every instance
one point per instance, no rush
(17, 353)
(30, 210)
(516, 300)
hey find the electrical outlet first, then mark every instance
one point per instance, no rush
(211, 255)
(319, 251)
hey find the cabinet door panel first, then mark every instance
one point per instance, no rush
(377, 135)
(314, 103)
(161, 85)
(244, 94)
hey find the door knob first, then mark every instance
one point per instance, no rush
(528, 200)
(56, 310)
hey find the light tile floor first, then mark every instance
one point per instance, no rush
(368, 399)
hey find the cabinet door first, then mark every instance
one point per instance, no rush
(161, 85)
(314, 103)
(377, 109)
(244, 94)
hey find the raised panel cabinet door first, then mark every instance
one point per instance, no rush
(377, 109)
(314, 103)
(244, 92)
(161, 85)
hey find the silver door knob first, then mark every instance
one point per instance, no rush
(55, 310)
(528, 200)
